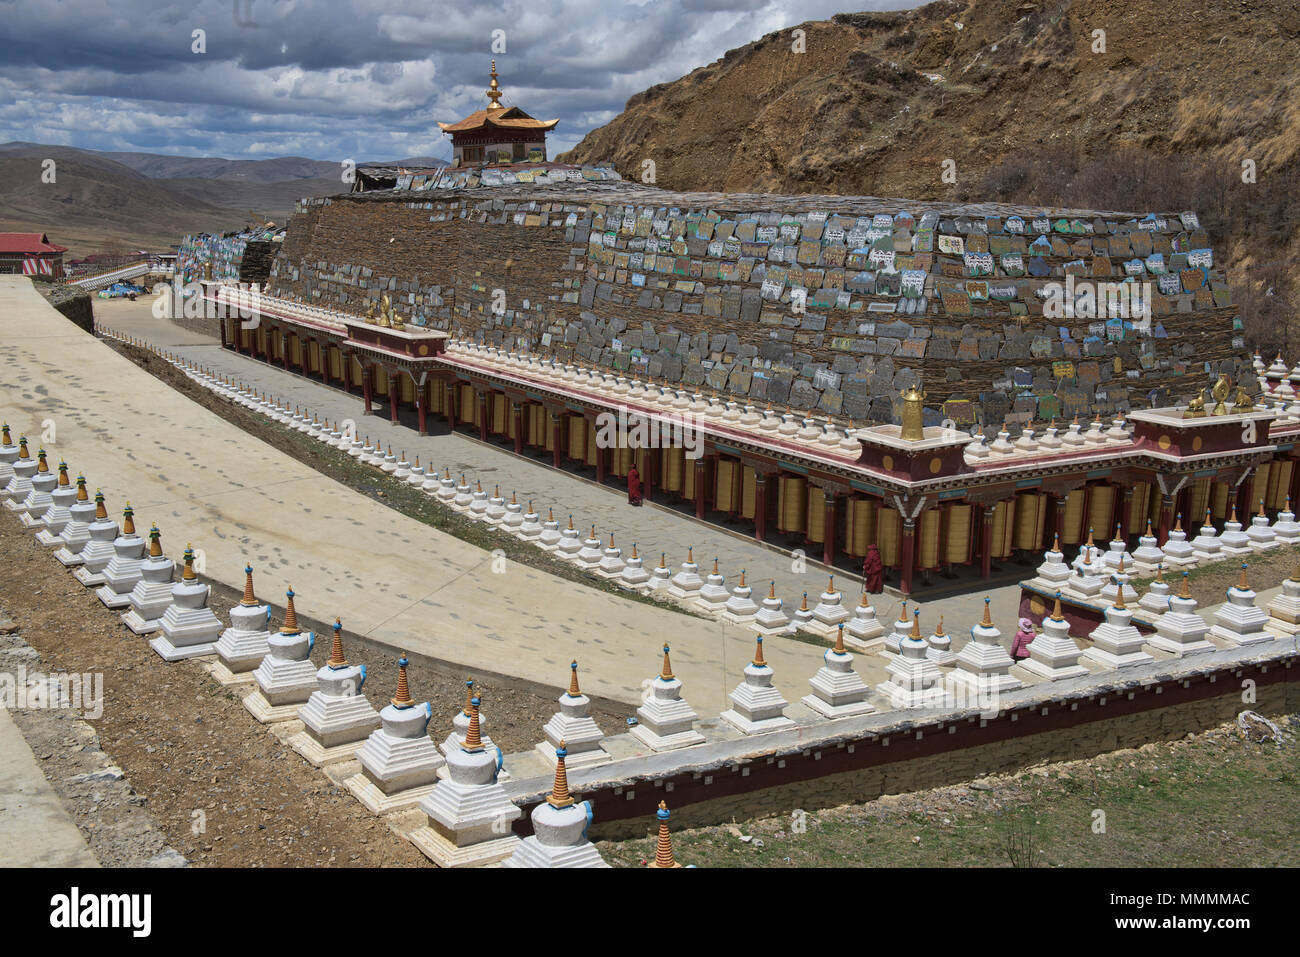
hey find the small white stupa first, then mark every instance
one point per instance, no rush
(1053, 572)
(570, 543)
(513, 520)
(1156, 600)
(1087, 582)
(479, 503)
(940, 650)
(286, 678)
(803, 615)
(1178, 550)
(1089, 554)
(100, 531)
(830, 613)
(1148, 556)
(1286, 529)
(661, 576)
(1234, 542)
(530, 526)
(20, 482)
(757, 707)
(399, 762)
(1239, 621)
(559, 837)
(469, 812)
(1206, 546)
(496, 510)
(1115, 642)
(152, 594)
(611, 562)
(58, 515)
(863, 631)
(1053, 654)
(247, 641)
(1116, 554)
(464, 496)
(634, 575)
(189, 628)
(123, 569)
(772, 619)
(337, 718)
(460, 723)
(1119, 583)
(1284, 610)
(837, 689)
(102, 549)
(740, 608)
(712, 595)
(1181, 630)
(45, 496)
(8, 455)
(687, 583)
(914, 679)
(1261, 535)
(573, 723)
(74, 534)
(983, 665)
(902, 628)
(664, 721)
(548, 540)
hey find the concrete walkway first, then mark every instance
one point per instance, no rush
(36, 830)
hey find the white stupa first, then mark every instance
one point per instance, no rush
(665, 722)
(460, 725)
(243, 645)
(188, 628)
(99, 531)
(1284, 610)
(686, 584)
(863, 631)
(399, 762)
(983, 665)
(713, 594)
(1053, 654)
(1286, 529)
(570, 543)
(1117, 552)
(496, 510)
(803, 615)
(1148, 556)
(20, 479)
(8, 455)
(634, 575)
(337, 718)
(479, 502)
(559, 837)
(1261, 535)
(661, 576)
(1156, 600)
(837, 689)
(1087, 582)
(464, 496)
(1119, 583)
(1234, 542)
(152, 594)
(902, 628)
(914, 679)
(39, 499)
(513, 520)
(1053, 572)
(469, 812)
(829, 612)
(74, 534)
(548, 540)
(1239, 621)
(1178, 550)
(573, 723)
(1181, 630)
(757, 707)
(285, 678)
(530, 526)
(123, 569)
(57, 516)
(611, 563)
(1206, 545)
(940, 647)
(1115, 642)
(1089, 554)
(740, 607)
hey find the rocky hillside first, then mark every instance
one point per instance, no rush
(1012, 93)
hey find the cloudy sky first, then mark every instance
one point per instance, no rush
(333, 79)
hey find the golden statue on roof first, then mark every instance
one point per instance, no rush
(494, 91)
(1219, 393)
(913, 429)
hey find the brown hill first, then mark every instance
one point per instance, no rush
(1013, 94)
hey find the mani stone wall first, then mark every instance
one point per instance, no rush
(705, 290)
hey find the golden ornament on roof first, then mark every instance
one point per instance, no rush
(1220, 392)
(912, 429)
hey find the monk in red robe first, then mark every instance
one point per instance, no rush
(633, 486)
(873, 571)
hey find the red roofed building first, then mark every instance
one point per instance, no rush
(498, 134)
(30, 254)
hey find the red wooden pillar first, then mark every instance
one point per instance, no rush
(394, 393)
(1294, 491)
(367, 385)
(1166, 519)
(449, 404)
(908, 558)
(483, 416)
(284, 350)
(555, 439)
(422, 405)
(986, 542)
(345, 361)
(699, 487)
(517, 410)
(828, 528)
(222, 325)
(760, 506)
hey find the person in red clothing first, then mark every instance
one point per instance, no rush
(873, 571)
(633, 486)
(1020, 644)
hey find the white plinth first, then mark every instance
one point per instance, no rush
(1053, 654)
(837, 689)
(756, 707)
(664, 721)
(1116, 643)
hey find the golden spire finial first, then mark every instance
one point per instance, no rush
(804, 604)
(249, 598)
(666, 671)
(912, 428)
(771, 589)
(1160, 573)
(690, 554)
(574, 690)
(188, 574)
(473, 739)
(1119, 593)
(1057, 614)
(988, 615)
(839, 640)
(1241, 582)
(1178, 522)
(634, 554)
(742, 578)
(915, 633)
(664, 843)
(42, 466)
(63, 475)
(403, 697)
(494, 91)
(758, 661)
(128, 520)
(290, 626)
(469, 696)
(1261, 509)
(337, 660)
(715, 564)
(155, 546)
(560, 796)
(81, 489)
(1187, 592)
(100, 511)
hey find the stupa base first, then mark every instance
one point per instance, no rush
(762, 726)
(377, 802)
(165, 650)
(318, 755)
(828, 710)
(267, 713)
(222, 674)
(446, 854)
(665, 742)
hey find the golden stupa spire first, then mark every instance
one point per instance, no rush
(188, 574)
(574, 690)
(1241, 582)
(81, 489)
(337, 660)
(42, 466)
(22, 447)
(5, 438)
(988, 615)
(473, 741)
(1187, 592)
(249, 598)
(469, 697)
(839, 640)
(100, 511)
(403, 697)
(915, 633)
(128, 520)
(63, 475)
(664, 843)
(1119, 593)
(290, 626)
(155, 546)
(666, 670)
(758, 661)
(560, 796)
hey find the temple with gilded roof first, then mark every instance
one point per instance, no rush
(498, 134)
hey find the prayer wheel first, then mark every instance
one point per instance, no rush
(593, 450)
(466, 404)
(379, 381)
(1101, 512)
(1154, 504)
(859, 525)
(927, 534)
(1030, 517)
(357, 371)
(1198, 498)
(295, 350)
(672, 465)
(1138, 506)
(406, 391)
(1259, 485)
(510, 422)
(889, 536)
(1003, 519)
(1279, 483)
(499, 413)
(726, 485)
(313, 357)
(537, 419)
(748, 492)
(335, 362)
(1073, 532)
(437, 396)
(548, 433)
(792, 504)
(1219, 500)
(816, 516)
(621, 460)
(957, 537)
(688, 478)
(577, 437)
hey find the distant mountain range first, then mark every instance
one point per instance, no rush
(100, 199)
